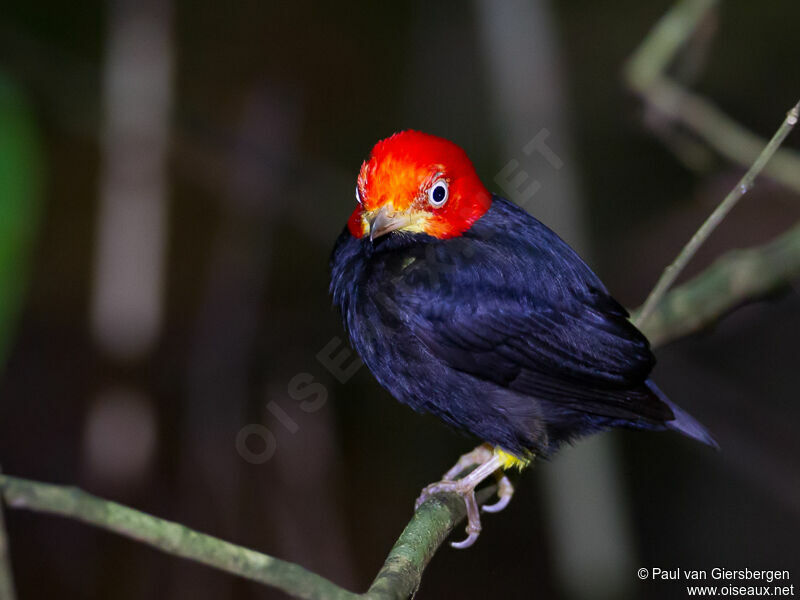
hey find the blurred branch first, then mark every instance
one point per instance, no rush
(672, 272)
(167, 536)
(398, 578)
(645, 74)
(737, 277)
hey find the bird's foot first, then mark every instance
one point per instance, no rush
(477, 457)
(486, 462)
(465, 489)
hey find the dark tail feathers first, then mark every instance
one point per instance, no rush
(684, 422)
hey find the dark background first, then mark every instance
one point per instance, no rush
(271, 108)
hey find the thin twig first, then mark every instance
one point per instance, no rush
(737, 277)
(672, 271)
(663, 42)
(723, 134)
(646, 74)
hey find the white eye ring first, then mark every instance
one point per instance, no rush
(438, 193)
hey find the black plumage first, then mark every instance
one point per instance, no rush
(503, 332)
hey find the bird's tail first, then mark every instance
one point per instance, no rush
(684, 422)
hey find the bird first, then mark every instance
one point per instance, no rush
(465, 306)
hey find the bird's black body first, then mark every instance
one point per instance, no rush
(503, 332)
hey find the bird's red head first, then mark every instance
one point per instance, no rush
(417, 183)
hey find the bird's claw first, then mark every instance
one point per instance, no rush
(497, 506)
(505, 491)
(486, 463)
(473, 521)
(467, 493)
(466, 543)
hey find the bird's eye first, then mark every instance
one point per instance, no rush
(437, 194)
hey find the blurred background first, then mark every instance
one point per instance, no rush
(172, 178)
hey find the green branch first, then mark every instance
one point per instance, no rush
(398, 578)
(167, 536)
(401, 573)
(738, 277)
(672, 272)
(645, 74)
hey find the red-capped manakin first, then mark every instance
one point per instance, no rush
(465, 306)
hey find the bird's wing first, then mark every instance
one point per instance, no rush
(585, 354)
